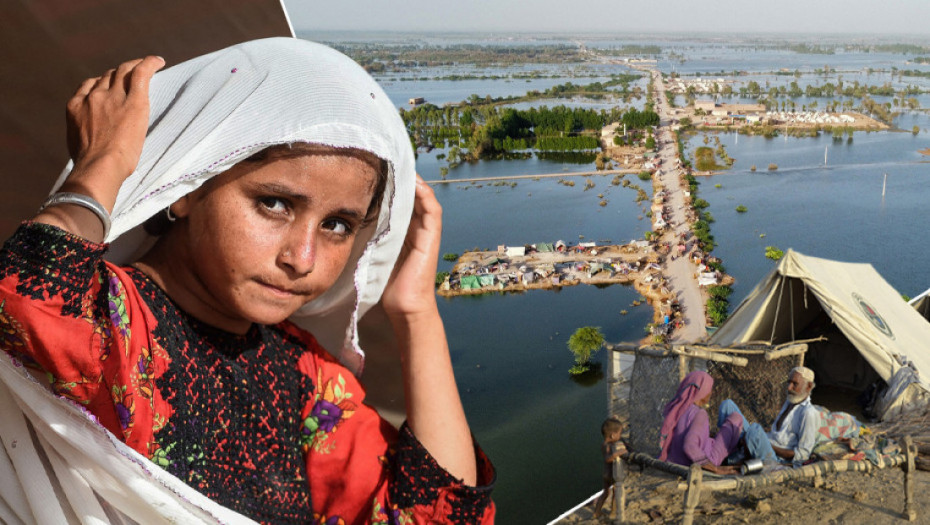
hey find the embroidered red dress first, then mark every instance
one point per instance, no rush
(265, 423)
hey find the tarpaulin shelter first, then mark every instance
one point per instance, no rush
(487, 279)
(872, 332)
(469, 282)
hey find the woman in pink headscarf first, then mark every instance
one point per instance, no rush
(685, 436)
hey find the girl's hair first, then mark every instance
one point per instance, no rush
(159, 224)
(611, 425)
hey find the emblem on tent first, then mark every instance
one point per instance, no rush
(873, 316)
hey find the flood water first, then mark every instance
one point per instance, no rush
(540, 427)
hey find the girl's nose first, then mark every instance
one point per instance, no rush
(299, 253)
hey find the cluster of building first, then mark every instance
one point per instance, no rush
(717, 114)
(546, 265)
(808, 117)
(696, 85)
(749, 112)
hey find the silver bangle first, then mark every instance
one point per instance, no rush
(84, 201)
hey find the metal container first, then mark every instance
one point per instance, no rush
(752, 466)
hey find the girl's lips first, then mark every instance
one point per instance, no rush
(277, 290)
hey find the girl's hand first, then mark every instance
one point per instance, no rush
(434, 410)
(108, 117)
(411, 289)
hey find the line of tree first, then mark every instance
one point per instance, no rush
(827, 89)
(489, 130)
(571, 143)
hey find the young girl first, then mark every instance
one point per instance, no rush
(612, 448)
(275, 180)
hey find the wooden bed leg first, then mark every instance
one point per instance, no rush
(619, 501)
(693, 494)
(817, 481)
(910, 508)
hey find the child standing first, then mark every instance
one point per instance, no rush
(612, 448)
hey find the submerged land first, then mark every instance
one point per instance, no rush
(791, 102)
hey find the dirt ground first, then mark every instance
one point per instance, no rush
(847, 498)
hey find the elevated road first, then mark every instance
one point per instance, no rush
(537, 176)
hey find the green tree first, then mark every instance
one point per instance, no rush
(583, 344)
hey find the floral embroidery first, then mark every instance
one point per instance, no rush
(321, 519)
(382, 516)
(159, 454)
(125, 408)
(331, 406)
(116, 300)
(143, 374)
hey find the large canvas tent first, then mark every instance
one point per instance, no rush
(921, 303)
(872, 333)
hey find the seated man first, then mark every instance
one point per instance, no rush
(799, 425)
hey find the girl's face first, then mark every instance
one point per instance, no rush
(268, 236)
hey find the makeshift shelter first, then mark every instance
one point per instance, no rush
(486, 279)
(871, 332)
(544, 247)
(469, 282)
(707, 279)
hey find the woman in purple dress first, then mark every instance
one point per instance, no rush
(685, 436)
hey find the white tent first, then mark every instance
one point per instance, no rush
(872, 332)
(921, 303)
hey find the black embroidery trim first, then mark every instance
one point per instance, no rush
(237, 400)
(418, 479)
(51, 262)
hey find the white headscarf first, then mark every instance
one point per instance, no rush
(213, 111)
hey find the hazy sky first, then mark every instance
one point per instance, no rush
(889, 18)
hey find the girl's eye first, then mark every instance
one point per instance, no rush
(338, 226)
(274, 204)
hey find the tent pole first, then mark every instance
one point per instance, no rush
(781, 290)
(791, 305)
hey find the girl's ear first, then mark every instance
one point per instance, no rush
(182, 207)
